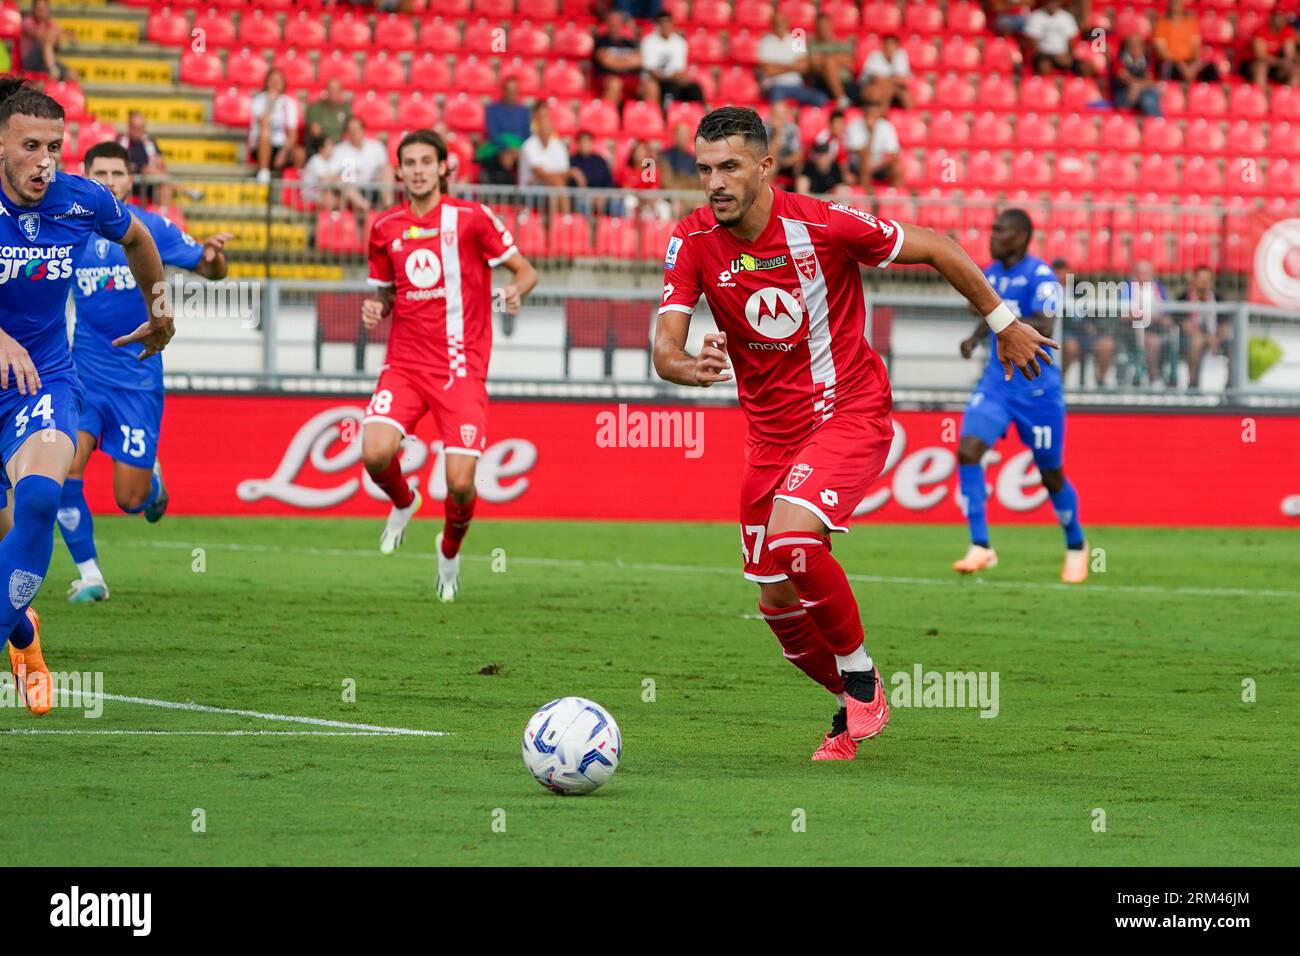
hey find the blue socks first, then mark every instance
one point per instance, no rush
(76, 521)
(23, 633)
(154, 488)
(1066, 504)
(26, 550)
(973, 490)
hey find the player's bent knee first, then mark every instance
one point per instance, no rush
(970, 451)
(777, 594)
(1053, 480)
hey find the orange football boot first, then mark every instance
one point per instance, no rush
(31, 676)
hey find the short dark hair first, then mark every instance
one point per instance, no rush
(426, 136)
(1019, 218)
(1059, 263)
(18, 99)
(109, 149)
(733, 121)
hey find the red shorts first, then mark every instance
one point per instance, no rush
(460, 411)
(828, 474)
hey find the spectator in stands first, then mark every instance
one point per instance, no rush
(886, 72)
(664, 57)
(1052, 29)
(273, 132)
(544, 159)
(321, 186)
(830, 62)
(782, 60)
(616, 54)
(1083, 335)
(1272, 53)
(1202, 331)
(640, 9)
(823, 172)
(1008, 17)
(785, 142)
(328, 116)
(1177, 44)
(508, 124)
(144, 159)
(873, 141)
(641, 171)
(41, 38)
(1142, 298)
(588, 169)
(363, 165)
(677, 163)
(1132, 82)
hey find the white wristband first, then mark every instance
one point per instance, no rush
(1000, 318)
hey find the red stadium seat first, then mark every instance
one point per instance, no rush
(247, 69)
(1039, 93)
(944, 168)
(949, 129)
(167, 27)
(845, 18)
(895, 204)
(1244, 175)
(1079, 131)
(1002, 55)
(1284, 177)
(337, 232)
(94, 133)
(1117, 171)
(802, 14)
(977, 211)
(529, 233)
(1073, 170)
(1157, 172)
(1248, 101)
(384, 72)
(923, 18)
(440, 36)
(563, 78)
(598, 118)
(297, 69)
(1080, 92)
(655, 234)
(1195, 249)
(1156, 213)
(395, 33)
(939, 212)
(496, 9)
(431, 73)
(1129, 21)
(964, 17)
(528, 40)
(1247, 137)
(922, 54)
(482, 37)
(230, 107)
(1121, 131)
(1206, 136)
(1030, 170)
(715, 14)
(1068, 212)
(740, 85)
(1204, 174)
(811, 121)
(525, 72)
(954, 92)
(569, 236)
(349, 32)
(708, 85)
(1173, 102)
(1206, 99)
(688, 113)
(912, 129)
(418, 110)
(1098, 255)
(987, 169)
(882, 16)
(754, 14)
(1198, 214)
(616, 237)
(217, 29)
(1216, 29)
(1161, 135)
(1034, 132)
(571, 40)
(464, 113)
(742, 47)
(867, 43)
(1284, 102)
(450, 8)
(990, 129)
(543, 9)
(376, 110)
(338, 65)
(704, 45)
(959, 54)
(259, 30)
(922, 91)
(997, 92)
(70, 96)
(305, 31)
(1283, 139)
(563, 118)
(200, 69)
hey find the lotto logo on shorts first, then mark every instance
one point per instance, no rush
(798, 475)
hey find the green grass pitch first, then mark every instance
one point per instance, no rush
(1124, 696)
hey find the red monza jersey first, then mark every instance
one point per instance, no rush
(440, 267)
(792, 308)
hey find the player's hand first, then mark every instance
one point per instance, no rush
(154, 334)
(968, 346)
(1020, 346)
(372, 312)
(711, 364)
(215, 244)
(13, 355)
(511, 298)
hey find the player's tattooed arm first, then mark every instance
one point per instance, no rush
(377, 306)
(674, 364)
(146, 265)
(1020, 346)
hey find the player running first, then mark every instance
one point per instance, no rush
(45, 222)
(1036, 408)
(780, 273)
(431, 260)
(123, 409)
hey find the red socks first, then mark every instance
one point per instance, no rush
(393, 484)
(802, 646)
(822, 586)
(456, 525)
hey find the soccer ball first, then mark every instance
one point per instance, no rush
(572, 746)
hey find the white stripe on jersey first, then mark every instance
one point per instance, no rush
(898, 244)
(457, 363)
(819, 325)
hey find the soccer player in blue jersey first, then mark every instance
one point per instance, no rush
(1036, 407)
(45, 222)
(123, 410)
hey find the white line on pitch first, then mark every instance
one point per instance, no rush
(621, 565)
(50, 731)
(287, 718)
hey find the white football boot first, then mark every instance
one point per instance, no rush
(87, 591)
(390, 539)
(448, 573)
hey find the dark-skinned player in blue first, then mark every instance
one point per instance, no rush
(46, 219)
(1028, 286)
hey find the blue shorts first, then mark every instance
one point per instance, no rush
(1040, 422)
(57, 406)
(126, 423)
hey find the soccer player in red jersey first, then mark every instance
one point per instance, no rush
(780, 273)
(431, 262)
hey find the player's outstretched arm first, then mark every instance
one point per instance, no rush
(525, 280)
(213, 264)
(146, 265)
(1019, 344)
(674, 364)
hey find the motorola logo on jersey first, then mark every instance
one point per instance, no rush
(423, 269)
(774, 313)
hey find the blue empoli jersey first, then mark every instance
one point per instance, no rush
(1028, 288)
(38, 247)
(109, 305)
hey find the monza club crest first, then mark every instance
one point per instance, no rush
(806, 263)
(798, 475)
